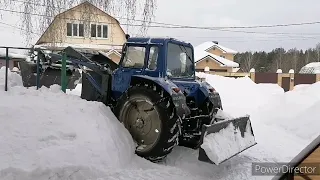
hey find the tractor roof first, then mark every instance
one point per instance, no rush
(161, 40)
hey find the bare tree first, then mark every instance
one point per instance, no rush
(248, 61)
(317, 49)
(279, 59)
(293, 61)
(36, 16)
(308, 56)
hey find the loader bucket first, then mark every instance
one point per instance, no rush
(225, 139)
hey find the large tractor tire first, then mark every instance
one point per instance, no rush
(151, 120)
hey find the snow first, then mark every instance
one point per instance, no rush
(227, 142)
(283, 122)
(209, 44)
(13, 78)
(313, 64)
(58, 130)
(76, 91)
(311, 68)
(46, 134)
(81, 46)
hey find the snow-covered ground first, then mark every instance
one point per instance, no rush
(46, 134)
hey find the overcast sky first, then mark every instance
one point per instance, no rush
(243, 13)
(223, 13)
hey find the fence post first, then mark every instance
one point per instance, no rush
(279, 81)
(252, 74)
(291, 76)
(63, 73)
(7, 66)
(38, 71)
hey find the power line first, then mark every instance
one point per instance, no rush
(117, 17)
(195, 37)
(138, 25)
(18, 28)
(226, 30)
(178, 26)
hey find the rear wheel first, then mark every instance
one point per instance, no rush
(151, 120)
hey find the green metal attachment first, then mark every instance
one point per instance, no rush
(64, 73)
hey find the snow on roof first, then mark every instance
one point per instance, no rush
(209, 44)
(112, 51)
(81, 46)
(311, 68)
(200, 55)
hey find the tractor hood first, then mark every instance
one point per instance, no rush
(190, 87)
(199, 91)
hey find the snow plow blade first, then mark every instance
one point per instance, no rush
(225, 139)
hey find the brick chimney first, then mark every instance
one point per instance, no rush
(216, 42)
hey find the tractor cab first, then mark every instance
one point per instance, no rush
(158, 57)
(154, 57)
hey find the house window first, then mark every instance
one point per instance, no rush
(69, 29)
(100, 31)
(93, 30)
(75, 30)
(81, 30)
(222, 56)
(105, 31)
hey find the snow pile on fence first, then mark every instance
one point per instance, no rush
(14, 79)
(49, 129)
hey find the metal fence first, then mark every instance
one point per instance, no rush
(25, 68)
(7, 61)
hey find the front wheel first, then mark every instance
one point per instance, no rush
(151, 121)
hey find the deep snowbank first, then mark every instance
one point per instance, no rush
(49, 129)
(51, 135)
(241, 95)
(295, 111)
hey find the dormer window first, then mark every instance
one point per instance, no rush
(75, 30)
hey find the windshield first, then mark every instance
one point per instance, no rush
(179, 61)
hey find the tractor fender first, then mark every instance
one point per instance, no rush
(178, 98)
(205, 93)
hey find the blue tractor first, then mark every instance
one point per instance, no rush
(154, 92)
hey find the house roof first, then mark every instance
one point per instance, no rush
(200, 55)
(85, 2)
(210, 44)
(114, 52)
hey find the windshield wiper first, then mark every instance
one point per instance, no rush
(185, 51)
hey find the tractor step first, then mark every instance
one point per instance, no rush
(225, 139)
